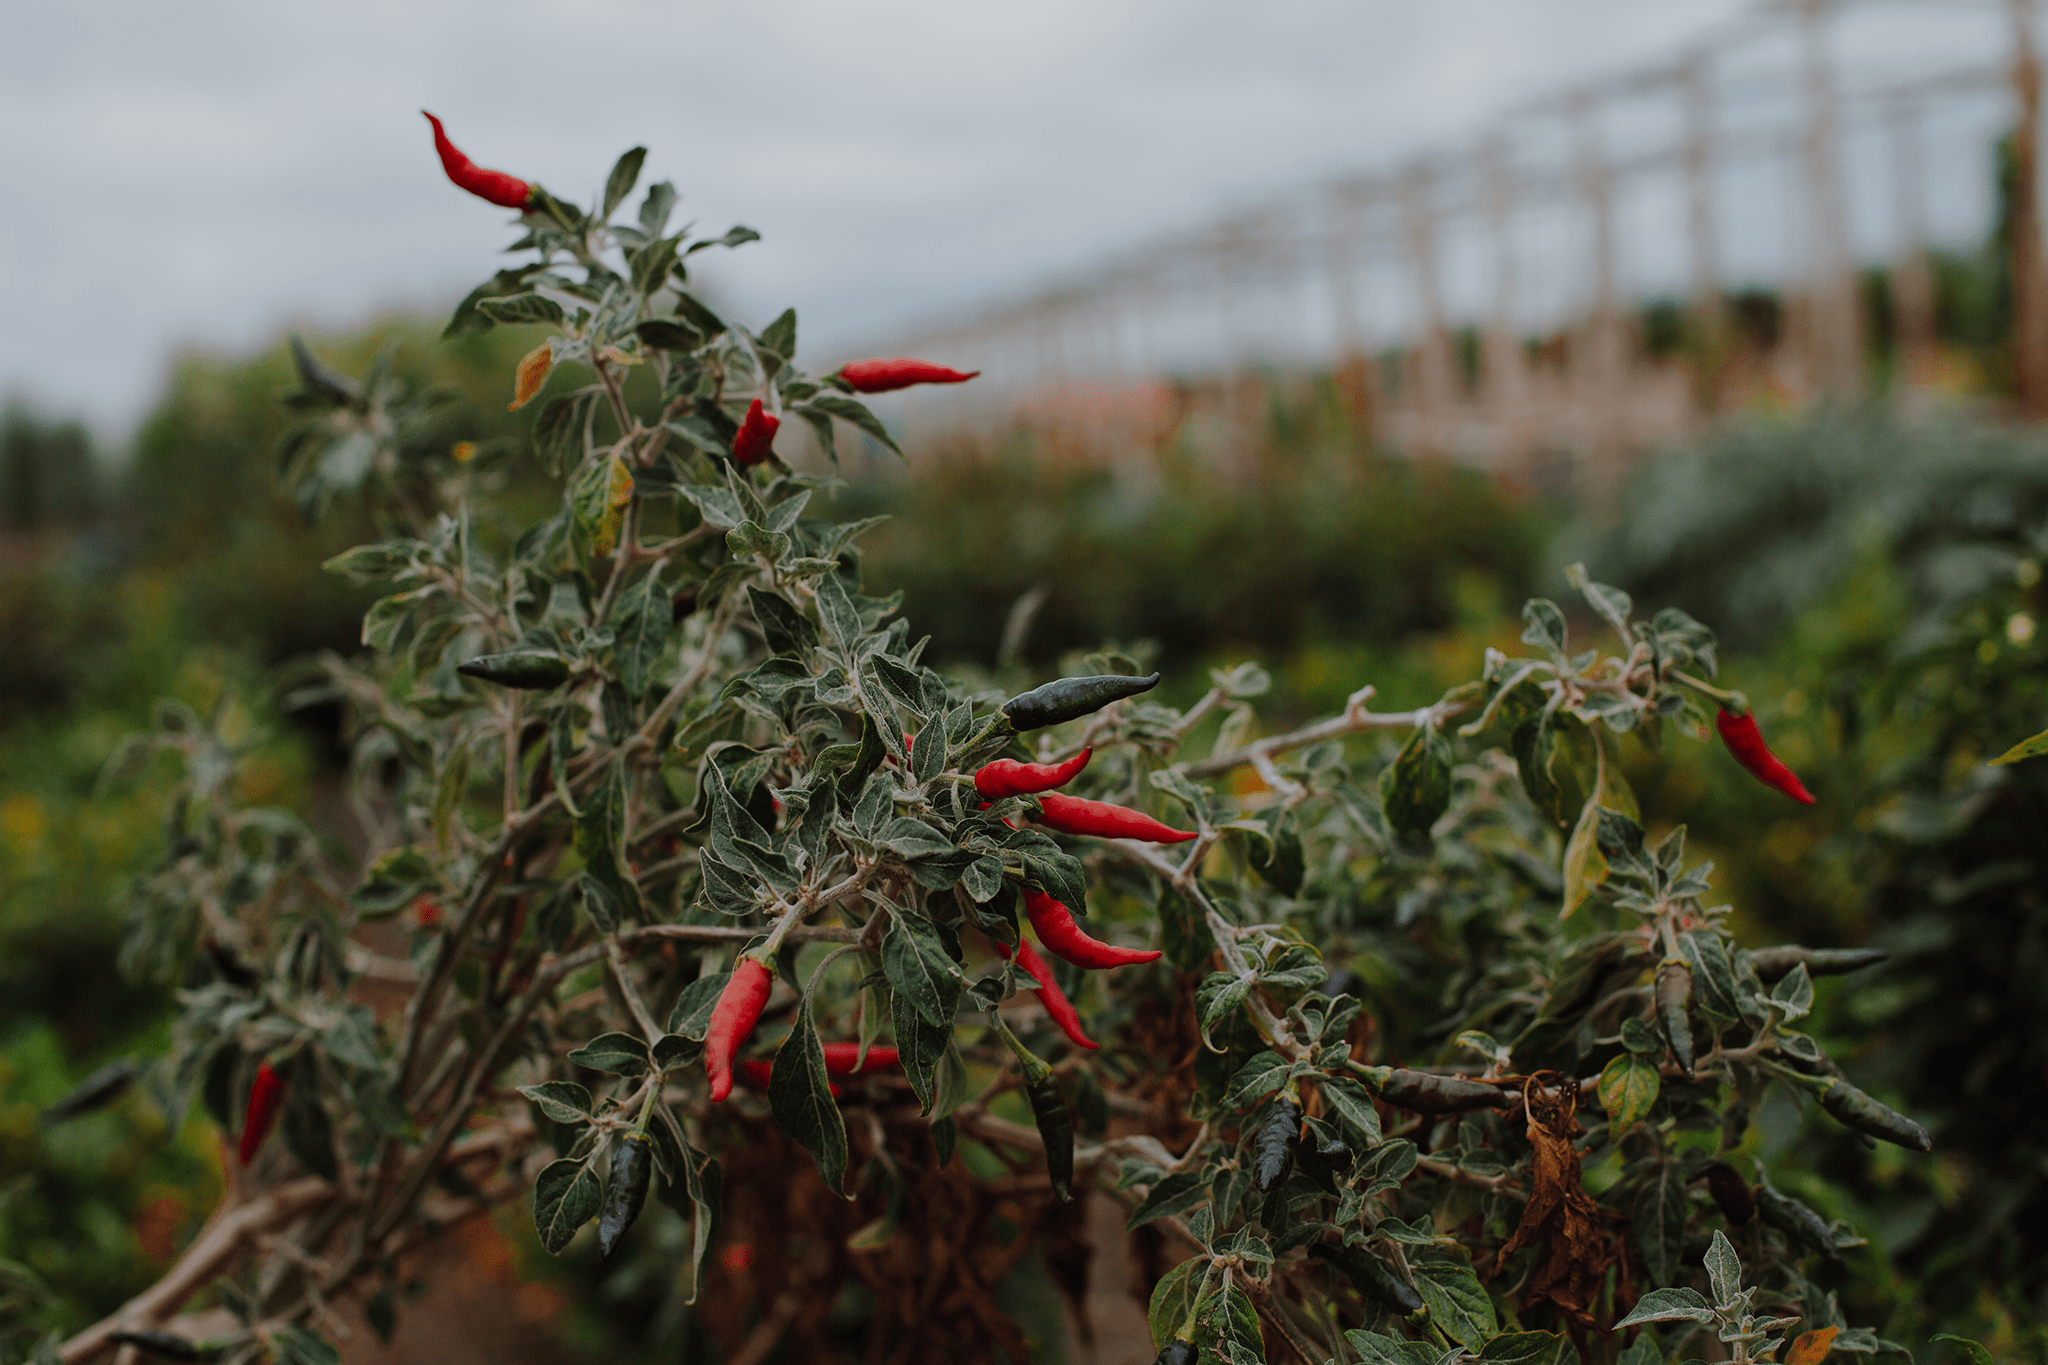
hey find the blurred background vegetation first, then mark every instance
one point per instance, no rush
(1876, 580)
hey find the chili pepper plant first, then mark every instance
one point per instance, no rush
(1394, 1036)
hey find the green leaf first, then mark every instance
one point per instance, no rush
(297, 1345)
(2026, 748)
(1170, 1195)
(1354, 1109)
(800, 1097)
(1973, 1349)
(1375, 1348)
(470, 318)
(1256, 1079)
(642, 621)
(1457, 1302)
(1416, 788)
(1724, 1269)
(691, 1016)
(305, 1125)
(1167, 1313)
(656, 207)
(521, 308)
(1528, 1348)
(562, 1101)
(558, 431)
(920, 970)
(1659, 1218)
(1669, 1305)
(847, 410)
(1546, 626)
(920, 1045)
(1628, 1089)
(625, 175)
(1714, 992)
(621, 1054)
(565, 1196)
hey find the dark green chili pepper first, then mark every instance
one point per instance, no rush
(1179, 1351)
(1800, 1224)
(1674, 1005)
(625, 1192)
(1424, 1092)
(1373, 1278)
(1854, 1109)
(1773, 964)
(1731, 1193)
(1065, 699)
(96, 1091)
(1274, 1148)
(531, 670)
(1056, 1127)
(169, 1345)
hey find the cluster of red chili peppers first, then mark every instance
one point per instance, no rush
(746, 994)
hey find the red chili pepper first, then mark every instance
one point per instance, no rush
(506, 191)
(266, 1097)
(1746, 742)
(1057, 931)
(1008, 777)
(839, 1061)
(732, 1019)
(1049, 993)
(756, 439)
(880, 376)
(1072, 815)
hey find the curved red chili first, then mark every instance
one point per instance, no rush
(1057, 1006)
(756, 439)
(506, 191)
(880, 376)
(839, 1061)
(1072, 815)
(732, 1019)
(1746, 742)
(1056, 929)
(266, 1097)
(1008, 777)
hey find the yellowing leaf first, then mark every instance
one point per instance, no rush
(1811, 1346)
(1584, 867)
(464, 452)
(604, 535)
(532, 374)
(1628, 1087)
(2026, 748)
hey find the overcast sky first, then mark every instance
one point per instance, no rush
(208, 172)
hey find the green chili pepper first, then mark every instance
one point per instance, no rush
(1674, 1005)
(1373, 1278)
(625, 1192)
(1324, 1158)
(1731, 1193)
(1424, 1092)
(1854, 1109)
(1799, 1223)
(1065, 699)
(1179, 1351)
(1274, 1148)
(531, 670)
(1772, 964)
(169, 1345)
(1056, 1126)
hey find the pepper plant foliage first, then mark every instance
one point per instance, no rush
(1443, 1053)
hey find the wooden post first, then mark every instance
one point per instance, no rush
(1709, 341)
(1600, 377)
(2029, 300)
(1836, 329)
(1503, 372)
(1430, 407)
(1343, 206)
(1912, 279)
